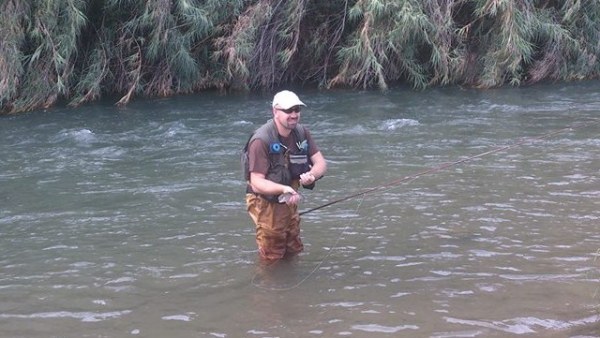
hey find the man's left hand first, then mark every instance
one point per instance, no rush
(307, 178)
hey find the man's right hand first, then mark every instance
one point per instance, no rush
(292, 196)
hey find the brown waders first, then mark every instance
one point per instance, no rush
(277, 227)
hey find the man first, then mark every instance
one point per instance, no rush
(282, 156)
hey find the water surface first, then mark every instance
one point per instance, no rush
(131, 222)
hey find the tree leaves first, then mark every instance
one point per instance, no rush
(81, 50)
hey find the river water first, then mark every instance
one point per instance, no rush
(119, 222)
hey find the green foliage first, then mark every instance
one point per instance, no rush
(11, 67)
(80, 51)
(40, 50)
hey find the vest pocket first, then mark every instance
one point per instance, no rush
(298, 165)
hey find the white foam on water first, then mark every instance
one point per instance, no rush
(183, 318)
(397, 124)
(383, 329)
(83, 316)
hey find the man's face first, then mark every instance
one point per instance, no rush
(288, 118)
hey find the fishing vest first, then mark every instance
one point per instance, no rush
(285, 164)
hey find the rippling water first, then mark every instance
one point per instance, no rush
(131, 222)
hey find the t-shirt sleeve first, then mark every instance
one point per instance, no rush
(312, 146)
(258, 157)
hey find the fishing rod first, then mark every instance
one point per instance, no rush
(392, 184)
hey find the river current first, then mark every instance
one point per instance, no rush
(124, 222)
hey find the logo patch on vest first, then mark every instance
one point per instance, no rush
(303, 146)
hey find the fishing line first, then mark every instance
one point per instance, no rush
(410, 178)
(392, 184)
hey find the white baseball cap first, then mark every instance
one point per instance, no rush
(286, 99)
